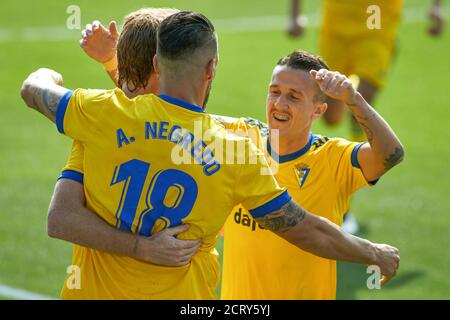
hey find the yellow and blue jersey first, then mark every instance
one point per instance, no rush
(145, 165)
(257, 264)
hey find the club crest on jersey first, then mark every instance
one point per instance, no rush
(301, 172)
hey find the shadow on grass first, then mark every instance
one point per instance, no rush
(353, 277)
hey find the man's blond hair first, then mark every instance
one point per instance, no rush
(137, 45)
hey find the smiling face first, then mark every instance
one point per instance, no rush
(294, 101)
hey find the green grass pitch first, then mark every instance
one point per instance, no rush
(408, 208)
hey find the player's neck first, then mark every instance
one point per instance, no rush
(290, 145)
(189, 92)
(134, 94)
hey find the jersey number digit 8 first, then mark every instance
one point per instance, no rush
(134, 173)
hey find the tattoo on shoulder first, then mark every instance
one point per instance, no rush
(394, 158)
(283, 219)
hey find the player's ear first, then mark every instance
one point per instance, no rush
(319, 109)
(211, 69)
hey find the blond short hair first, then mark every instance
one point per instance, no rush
(137, 45)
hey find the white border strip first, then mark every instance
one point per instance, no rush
(20, 294)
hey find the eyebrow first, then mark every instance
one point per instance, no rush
(290, 89)
(298, 92)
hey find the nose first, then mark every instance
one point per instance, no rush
(281, 102)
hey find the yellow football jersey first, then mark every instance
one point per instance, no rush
(257, 264)
(351, 44)
(146, 166)
(74, 168)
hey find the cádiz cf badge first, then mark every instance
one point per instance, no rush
(301, 171)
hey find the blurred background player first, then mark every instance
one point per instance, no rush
(350, 45)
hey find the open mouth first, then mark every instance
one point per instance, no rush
(282, 117)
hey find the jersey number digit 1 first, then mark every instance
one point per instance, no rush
(134, 174)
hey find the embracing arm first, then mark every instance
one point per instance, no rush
(70, 220)
(42, 91)
(323, 238)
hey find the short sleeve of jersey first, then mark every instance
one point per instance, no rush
(74, 169)
(343, 158)
(246, 127)
(231, 123)
(256, 188)
(79, 112)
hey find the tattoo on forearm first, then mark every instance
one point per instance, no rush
(36, 95)
(394, 158)
(369, 133)
(35, 103)
(50, 101)
(362, 121)
(283, 219)
(44, 100)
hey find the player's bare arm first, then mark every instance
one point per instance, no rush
(42, 91)
(384, 149)
(100, 44)
(70, 220)
(325, 239)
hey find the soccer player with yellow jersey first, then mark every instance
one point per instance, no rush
(68, 216)
(129, 142)
(320, 173)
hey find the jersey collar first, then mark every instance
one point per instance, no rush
(181, 103)
(291, 156)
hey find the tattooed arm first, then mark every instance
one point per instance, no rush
(325, 239)
(384, 149)
(42, 91)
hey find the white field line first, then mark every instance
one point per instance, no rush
(234, 25)
(20, 294)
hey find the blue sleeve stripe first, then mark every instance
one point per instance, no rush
(271, 206)
(61, 110)
(72, 175)
(355, 162)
